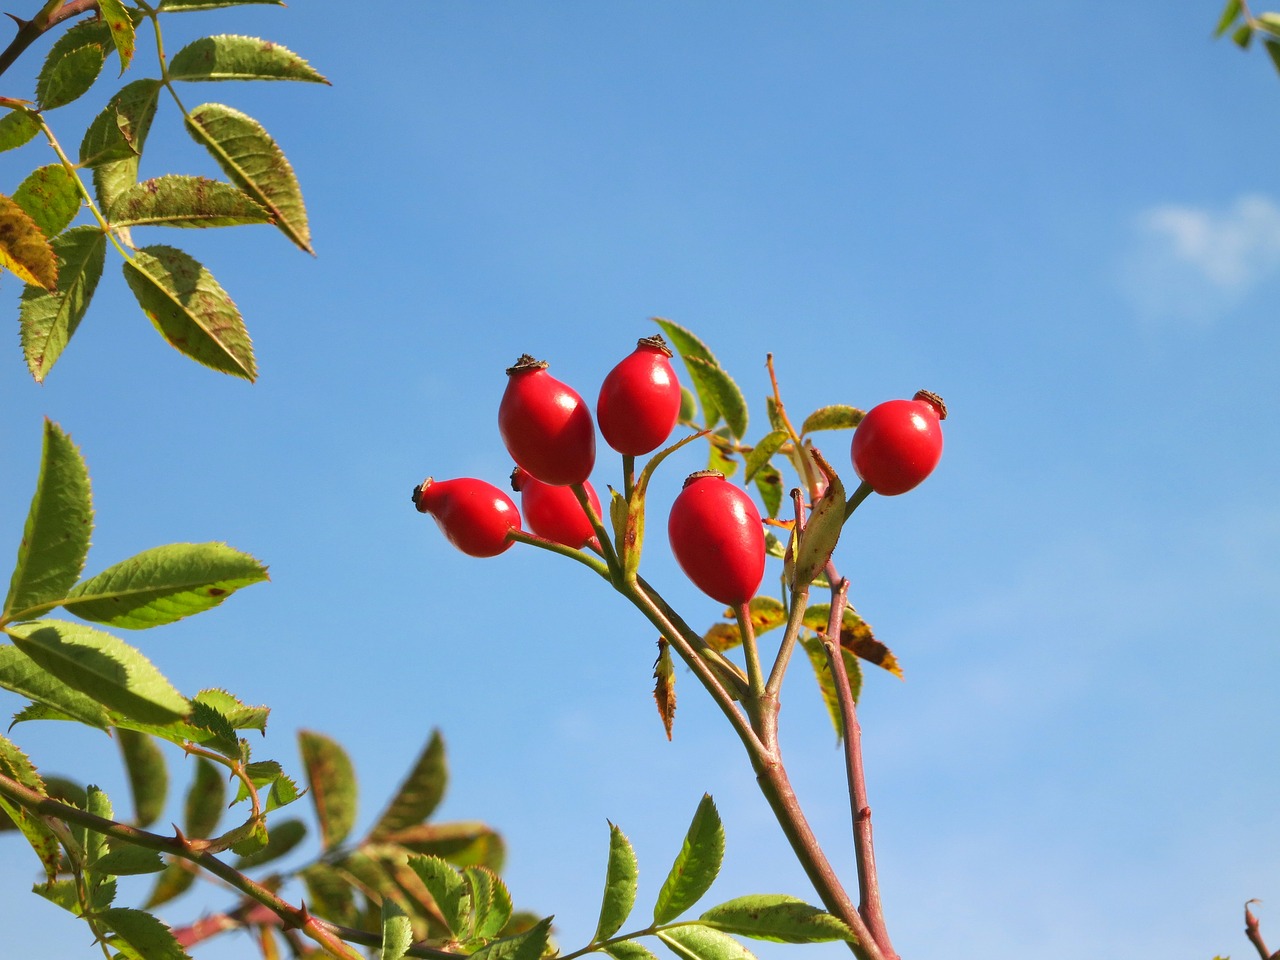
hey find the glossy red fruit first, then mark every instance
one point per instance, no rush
(639, 400)
(473, 515)
(899, 442)
(545, 424)
(717, 538)
(554, 513)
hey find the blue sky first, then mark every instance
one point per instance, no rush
(1062, 217)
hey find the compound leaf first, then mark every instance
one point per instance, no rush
(190, 309)
(228, 57)
(164, 584)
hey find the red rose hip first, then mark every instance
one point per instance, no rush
(546, 425)
(639, 400)
(474, 516)
(899, 442)
(554, 513)
(717, 538)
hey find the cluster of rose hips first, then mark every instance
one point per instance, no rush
(715, 530)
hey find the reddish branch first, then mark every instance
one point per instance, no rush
(31, 30)
(1252, 931)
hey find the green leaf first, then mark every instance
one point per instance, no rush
(140, 936)
(778, 918)
(240, 716)
(620, 882)
(1229, 14)
(490, 902)
(62, 893)
(125, 860)
(15, 765)
(529, 945)
(821, 531)
(688, 345)
(714, 382)
(55, 539)
(24, 250)
(228, 57)
(72, 64)
(664, 686)
(1243, 36)
(329, 894)
(104, 667)
(769, 482)
(1273, 50)
(465, 843)
(397, 931)
(333, 785)
(49, 319)
(838, 416)
(254, 162)
(148, 775)
(817, 652)
(696, 865)
(419, 794)
(688, 410)
(762, 452)
(164, 584)
(284, 836)
(17, 127)
(182, 201)
(113, 143)
(182, 6)
(206, 798)
(1269, 22)
(176, 879)
(22, 675)
(190, 309)
(856, 637)
(628, 950)
(51, 198)
(447, 889)
(696, 942)
(120, 24)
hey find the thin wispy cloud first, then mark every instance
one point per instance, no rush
(1195, 264)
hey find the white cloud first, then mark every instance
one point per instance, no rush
(1195, 264)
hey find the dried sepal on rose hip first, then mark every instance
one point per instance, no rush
(554, 513)
(475, 516)
(546, 425)
(899, 442)
(717, 538)
(639, 400)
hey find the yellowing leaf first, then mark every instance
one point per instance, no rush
(24, 249)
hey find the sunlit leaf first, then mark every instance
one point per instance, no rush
(696, 942)
(24, 250)
(164, 584)
(529, 945)
(778, 918)
(465, 843)
(759, 455)
(490, 902)
(55, 538)
(254, 162)
(695, 867)
(102, 666)
(329, 895)
(397, 931)
(126, 860)
(113, 143)
(239, 715)
(628, 950)
(856, 636)
(73, 64)
(1229, 14)
(714, 382)
(182, 201)
(419, 794)
(17, 127)
(51, 198)
(228, 57)
(332, 780)
(15, 765)
(1243, 36)
(140, 936)
(148, 775)
(822, 531)
(768, 482)
(190, 309)
(49, 319)
(817, 653)
(284, 835)
(838, 416)
(447, 889)
(620, 883)
(181, 6)
(688, 345)
(22, 675)
(116, 16)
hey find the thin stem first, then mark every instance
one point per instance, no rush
(606, 544)
(869, 905)
(855, 499)
(29, 31)
(755, 677)
(795, 618)
(519, 536)
(628, 475)
(1254, 933)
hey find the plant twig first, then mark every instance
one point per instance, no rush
(869, 905)
(1253, 931)
(29, 31)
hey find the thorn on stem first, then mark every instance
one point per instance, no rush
(18, 20)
